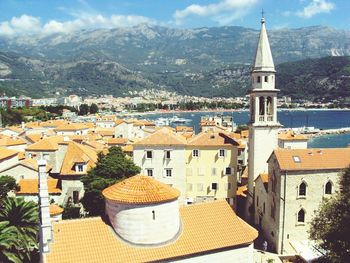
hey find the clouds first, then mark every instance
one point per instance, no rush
(316, 7)
(20, 25)
(223, 12)
(26, 24)
(313, 8)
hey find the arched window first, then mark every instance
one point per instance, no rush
(328, 188)
(259, 79)
(269, 106)
(266, 78)
(261, 105)
(302, 189)
(301, 216)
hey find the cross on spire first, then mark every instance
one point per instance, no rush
(262, 16)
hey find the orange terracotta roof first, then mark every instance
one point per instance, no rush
(72, 127)
(30, 186)
(128, 148)
(235, 135)
(182, 128)
(117, 141)
(264, 178)
(53, 123)
(210, 138)
(291, 136)
(32, 125)
(47, 144)
(203, 232)
(21, 156)
(98, 146)
(11, 141)
(77, 153)
(33, 138)
(242, 191)
(207, 123)
(245, 133)
(140, 189)
(119, 121)
(312, 159)
(55, 210)
(143, 123)
(7, 153)
(162, 137)
(105, 131)
(245, 173)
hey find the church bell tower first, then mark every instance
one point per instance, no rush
(263, 124)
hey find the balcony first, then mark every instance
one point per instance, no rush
(269, 118)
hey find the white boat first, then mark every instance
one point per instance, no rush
(176, 119)
(162, 121)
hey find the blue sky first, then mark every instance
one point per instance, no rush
(51, 16)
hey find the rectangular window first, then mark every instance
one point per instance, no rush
(201, 171)
(149, 154)
(266, 78)
(195, 153)
(80, 167)
(213, 171)
(214, 186)
(168, 172)
(189, 187)
(149, 172)
(75, 197)
(222, 153)
(199, 187)
(189, 171)
(167, 154)
(259, 78)
(228, 171)
(46, 156)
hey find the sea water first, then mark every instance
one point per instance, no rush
(321, 119)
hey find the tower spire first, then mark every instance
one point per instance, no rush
(263, 58)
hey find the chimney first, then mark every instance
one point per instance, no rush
(44, 211)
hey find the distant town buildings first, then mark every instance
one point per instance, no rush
(13, 102)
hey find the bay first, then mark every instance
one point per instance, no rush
(321, 119)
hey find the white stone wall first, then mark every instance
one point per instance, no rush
(35, 198)
(68, 186)
(20, 172)
(159, 163)
(124, 130)
(19, 148)
(237, 255)
(262, 142)
(145, 224)
(315, 192)
(8, 162)
(288, 144)
(73, 132)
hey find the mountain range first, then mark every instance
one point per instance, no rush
(203, 61)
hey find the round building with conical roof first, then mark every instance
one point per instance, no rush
(143, 211)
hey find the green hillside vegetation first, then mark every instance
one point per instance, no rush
(323, 79)
(315, 79)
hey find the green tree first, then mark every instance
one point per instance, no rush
(7, 183)
(83, 109)
(20, 218)
(110, 168)
(93, 108)
(330, 227)
(8, 244)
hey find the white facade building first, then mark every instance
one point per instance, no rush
(298, 181)
(162, 156)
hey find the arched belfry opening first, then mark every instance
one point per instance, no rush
(261, 106)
